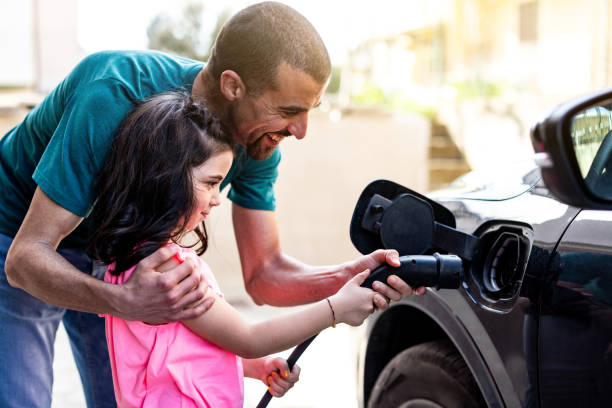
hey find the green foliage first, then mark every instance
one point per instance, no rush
(408, 105)
(477, 88)
(334, 81)
(184, 36)
(221, 19)
(373, 95)
(370, 95)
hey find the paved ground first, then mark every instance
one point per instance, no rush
(321, 179)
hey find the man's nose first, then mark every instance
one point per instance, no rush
(299, 125)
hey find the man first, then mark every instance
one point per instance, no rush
(268, 69)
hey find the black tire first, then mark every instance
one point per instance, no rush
(428, 375)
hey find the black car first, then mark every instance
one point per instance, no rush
(531, 322)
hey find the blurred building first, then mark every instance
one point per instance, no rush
(489, 68)
(554, 47)
(38, 44)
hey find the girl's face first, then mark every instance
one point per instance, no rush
(207, 179)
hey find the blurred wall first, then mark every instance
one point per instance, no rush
(38, 42)
(56, 47)
(16, 39)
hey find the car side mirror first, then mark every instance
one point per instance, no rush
(574, 150)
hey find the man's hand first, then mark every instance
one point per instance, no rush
(395, 288)
(159, 296)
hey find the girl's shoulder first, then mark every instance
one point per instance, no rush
(204, 269)
(117, 279)
(181, 256)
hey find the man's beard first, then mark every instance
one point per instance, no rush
(258, 148)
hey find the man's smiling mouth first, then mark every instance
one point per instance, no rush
(276, 137)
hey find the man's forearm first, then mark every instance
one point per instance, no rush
(49, 277)
(285, 281)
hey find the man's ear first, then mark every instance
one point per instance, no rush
(231, 85)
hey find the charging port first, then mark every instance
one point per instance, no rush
(502, 265)
(494, 278)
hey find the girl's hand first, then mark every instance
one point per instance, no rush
(352, 304)
(395, 288)
(277, 377)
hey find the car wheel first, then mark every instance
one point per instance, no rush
(428, 375)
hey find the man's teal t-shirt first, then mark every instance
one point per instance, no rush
(62, 144)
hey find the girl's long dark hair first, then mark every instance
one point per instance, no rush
(145, 190)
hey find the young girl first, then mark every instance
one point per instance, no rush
(160, 181)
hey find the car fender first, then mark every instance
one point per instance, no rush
(418, 319)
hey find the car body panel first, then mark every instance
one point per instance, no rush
(503, 183)
(500, 349)
(552, 345)
(575, 342)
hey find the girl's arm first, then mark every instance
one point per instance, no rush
(225, 327)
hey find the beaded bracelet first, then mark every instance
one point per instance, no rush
(333, 313)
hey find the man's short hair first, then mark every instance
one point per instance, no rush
(256, 40)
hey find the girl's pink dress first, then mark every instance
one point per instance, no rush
(169, 365)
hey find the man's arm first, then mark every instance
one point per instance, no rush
(274, 278)
(33, 265)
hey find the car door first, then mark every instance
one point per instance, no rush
(574, 350)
